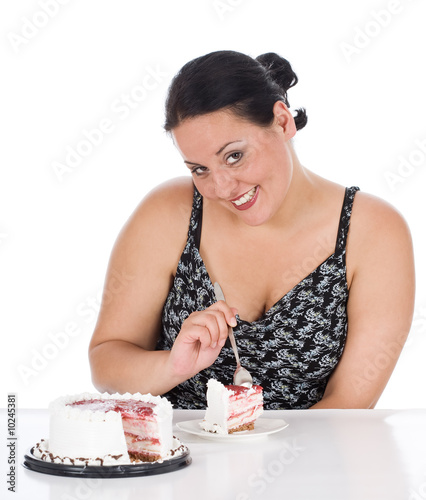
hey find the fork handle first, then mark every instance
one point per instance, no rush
(219, 296)
(234, 345)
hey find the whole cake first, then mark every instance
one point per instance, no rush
(109, 429)
(231, 408)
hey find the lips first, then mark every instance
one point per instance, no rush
(246, 200)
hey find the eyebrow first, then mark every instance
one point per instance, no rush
(224, 146)
(217, 152)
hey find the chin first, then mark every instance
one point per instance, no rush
(255, 220)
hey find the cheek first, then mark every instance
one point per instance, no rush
(283, 167)
(205, 188)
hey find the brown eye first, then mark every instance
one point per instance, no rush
(198, 170)
(234, 157)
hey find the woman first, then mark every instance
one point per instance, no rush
(320, 311)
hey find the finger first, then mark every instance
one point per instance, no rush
(225, 323)
(200, 327)
(229, 312)
(201, 334)
(215, 322)
(234, 312)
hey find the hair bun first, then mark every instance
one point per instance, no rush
(279, 69)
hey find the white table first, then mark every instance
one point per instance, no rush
(323, 454)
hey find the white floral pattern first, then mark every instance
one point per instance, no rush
(291, 350)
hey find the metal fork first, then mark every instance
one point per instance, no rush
(241, 375)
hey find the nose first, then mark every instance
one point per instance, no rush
(224, 184)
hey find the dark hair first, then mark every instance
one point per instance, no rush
(235, 81)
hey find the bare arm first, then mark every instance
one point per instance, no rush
(380, 305)
(139, 276)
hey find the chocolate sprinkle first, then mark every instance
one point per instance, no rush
(136, 458)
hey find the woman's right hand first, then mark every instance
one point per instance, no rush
(200, 340)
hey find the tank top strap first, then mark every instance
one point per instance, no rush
(345, 217)
(194, 230)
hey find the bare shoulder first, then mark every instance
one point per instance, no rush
(378, 232)
(163, 214)
(168, 202)
(375, 218)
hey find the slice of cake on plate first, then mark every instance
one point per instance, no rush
(105, 429)
(231, 408)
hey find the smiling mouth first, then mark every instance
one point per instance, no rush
(245, 198)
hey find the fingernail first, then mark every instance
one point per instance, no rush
(233, 322)
(214, 345)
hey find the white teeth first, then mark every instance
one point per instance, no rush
(245, 198)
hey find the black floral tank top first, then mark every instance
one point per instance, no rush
(291, 350)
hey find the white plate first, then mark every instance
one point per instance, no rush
(262, 427)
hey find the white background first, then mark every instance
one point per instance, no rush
(361, 77)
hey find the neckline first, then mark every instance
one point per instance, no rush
(272, 309)
(340, 247)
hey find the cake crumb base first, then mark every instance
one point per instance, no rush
(245, 427)
(142, 457)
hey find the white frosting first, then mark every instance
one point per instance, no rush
(76, 432)
(217, 417)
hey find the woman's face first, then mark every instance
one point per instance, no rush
(244, 167)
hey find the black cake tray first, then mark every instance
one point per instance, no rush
(109, 471)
